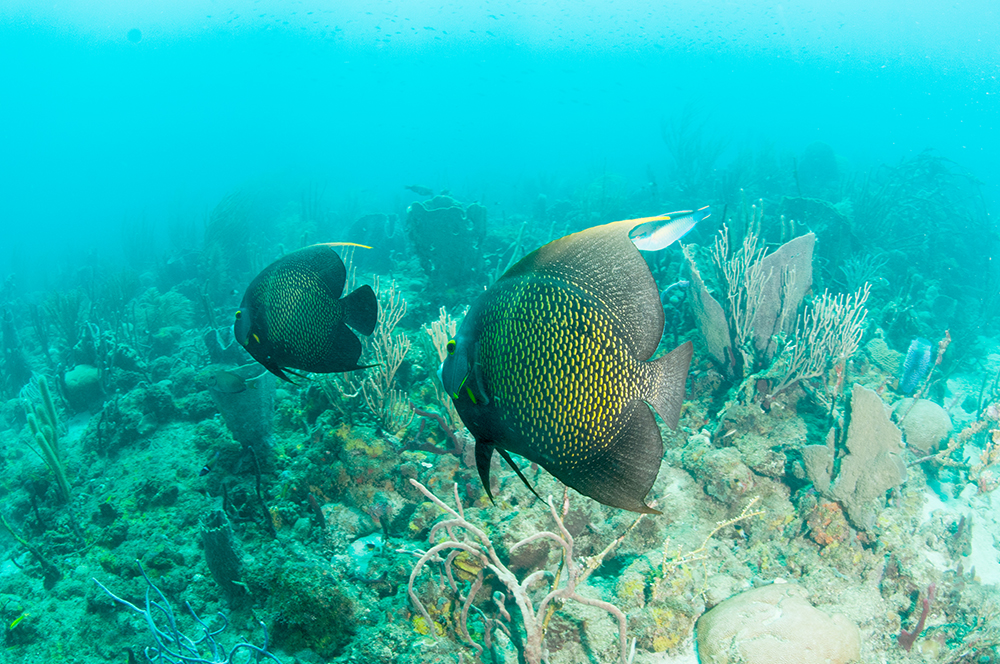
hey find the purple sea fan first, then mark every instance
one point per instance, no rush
(916, 366)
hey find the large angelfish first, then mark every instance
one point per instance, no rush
(552, 362)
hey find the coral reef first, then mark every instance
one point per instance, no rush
(925, 424)
(873, 465)
(313, 508)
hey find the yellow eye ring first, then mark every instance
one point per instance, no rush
(238, 314)
(451, 347)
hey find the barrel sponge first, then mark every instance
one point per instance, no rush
(82, 386)
(925, 424)
(775, 624)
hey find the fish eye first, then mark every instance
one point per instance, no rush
(238, 314)
(451, 347)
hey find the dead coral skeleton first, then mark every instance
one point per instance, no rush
(982, 472)
(480, 555)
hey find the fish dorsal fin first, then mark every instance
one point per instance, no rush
(603, 262)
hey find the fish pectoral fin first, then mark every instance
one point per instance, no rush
(296, 374)
(510, 462)
(477, 374)
(280, 373)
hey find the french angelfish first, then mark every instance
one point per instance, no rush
(293, 316)
(552, 362)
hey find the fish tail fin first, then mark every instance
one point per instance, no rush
(670, 380)
(361, 310)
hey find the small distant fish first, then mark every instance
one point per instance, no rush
(419, 190)
(207, 468)
(227, 382)
(678, 285)
(552, 363)
(674, 225)
(293, 316)
(916, 365)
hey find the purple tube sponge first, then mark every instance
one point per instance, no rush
(906, 639)
(916, 366)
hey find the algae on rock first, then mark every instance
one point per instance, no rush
(775, 624)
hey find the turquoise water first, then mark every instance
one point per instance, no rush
(156, 157)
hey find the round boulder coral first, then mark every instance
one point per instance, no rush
(925, 424)
(775, 624)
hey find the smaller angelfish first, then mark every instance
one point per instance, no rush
(295, 315)
(666, 229)
(227, 382)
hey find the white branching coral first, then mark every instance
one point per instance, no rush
(826, 334)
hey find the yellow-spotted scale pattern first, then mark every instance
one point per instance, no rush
(562, 373)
